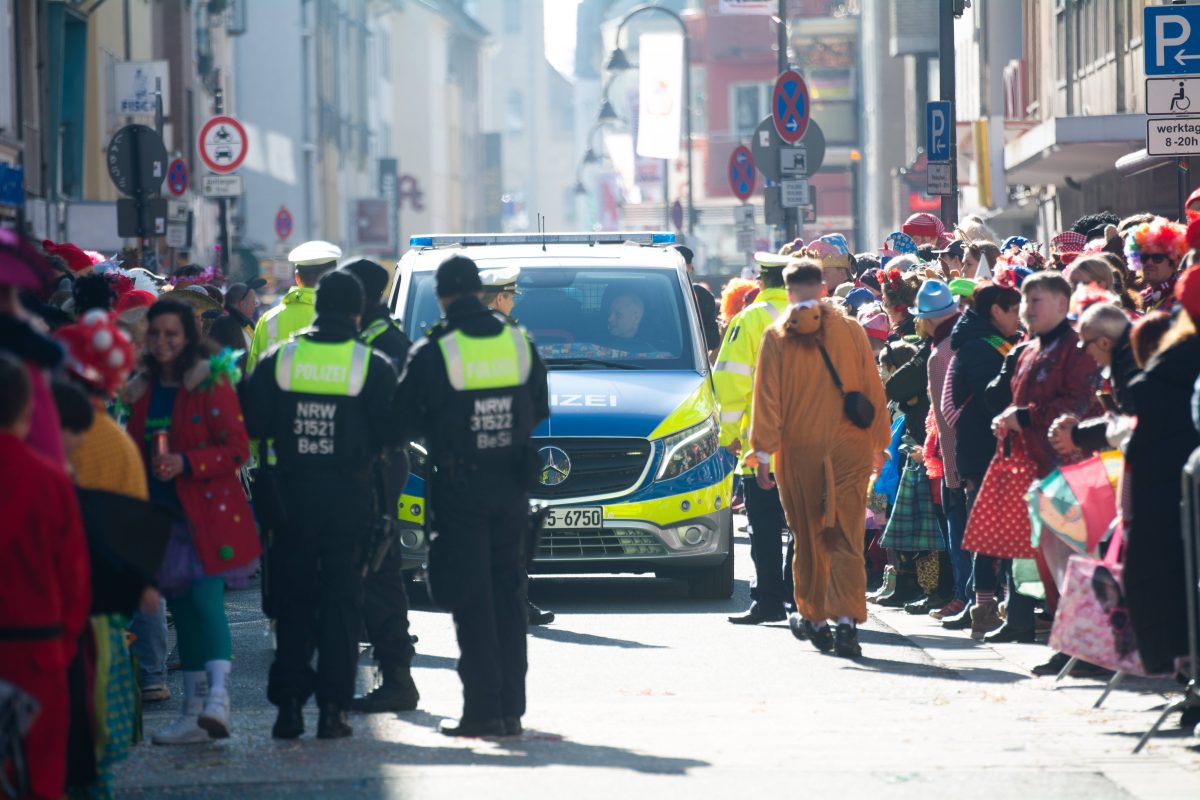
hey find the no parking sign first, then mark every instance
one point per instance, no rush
(742, 175)
(789, 106)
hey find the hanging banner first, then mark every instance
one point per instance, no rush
(660, 93)
(619, 146)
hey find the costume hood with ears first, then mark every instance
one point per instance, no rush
(804, 321)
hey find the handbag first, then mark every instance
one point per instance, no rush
(1092, 622)
(998, 525)
(856, 405)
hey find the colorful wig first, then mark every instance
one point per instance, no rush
(1160, 235)
(733, 298)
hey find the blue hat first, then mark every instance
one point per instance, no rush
(934, 300)
(859, 297)
(1018, 242)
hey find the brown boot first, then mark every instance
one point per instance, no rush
(985, 618)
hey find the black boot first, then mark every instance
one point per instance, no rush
(477, 729)
(397, 692)
(798, 625)
(539, 617)
(821, 637)
(907, 589)
(845, 641)
(289, 724)
(512, 726)
(758, 614)
(332, 723)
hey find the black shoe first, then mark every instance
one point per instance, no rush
(477, 729)
(925, 604)
(906, 590)
(757, 615)
(798, 626)
(332, 723)
(1007, 633)
(1086, 669)
(512, 726)
(1052, 667)
(960, 621)
(845, 641)
(821, 637)
(539, 617)
(396, 693)
(290, 722)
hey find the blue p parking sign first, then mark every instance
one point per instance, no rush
(1172, 39)
(939, 127)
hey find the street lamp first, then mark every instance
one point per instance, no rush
(619, 62)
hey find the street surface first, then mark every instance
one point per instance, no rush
(636, 691)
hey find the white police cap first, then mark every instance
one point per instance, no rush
(500, 279)
(767, 260)
(315, 253)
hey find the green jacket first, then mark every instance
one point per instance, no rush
(294, 313)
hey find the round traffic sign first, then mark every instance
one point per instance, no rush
(742, 175)
(137, 161)
(789, 106)
(284, 224)
(222, 144)
(766, 148)
(177, 177)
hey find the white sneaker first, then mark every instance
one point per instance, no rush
(183, 730)
(214, 719)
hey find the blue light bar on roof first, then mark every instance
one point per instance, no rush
(603, 237)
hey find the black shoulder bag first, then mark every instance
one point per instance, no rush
(856, 405)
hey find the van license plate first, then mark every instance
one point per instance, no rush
(582, 517)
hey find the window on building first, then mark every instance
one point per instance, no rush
(514, 111)
(512, 16)
(1135, 19)
(1060, 41)
(749, 105)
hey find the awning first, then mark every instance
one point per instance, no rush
(1075, 147)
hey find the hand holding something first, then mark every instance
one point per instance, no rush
(1060, 435)
(167, 467)
(881, 458)
(763, 477)
(1006, 423)
(735, 447)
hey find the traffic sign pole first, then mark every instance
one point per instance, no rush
(791, 217)
(947, 90)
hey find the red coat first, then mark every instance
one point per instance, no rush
(1060, 379)
(45, 582)
(208, 430)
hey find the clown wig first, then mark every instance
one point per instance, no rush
(733, 299)
(1157, 236)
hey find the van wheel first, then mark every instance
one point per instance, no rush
(713, 583)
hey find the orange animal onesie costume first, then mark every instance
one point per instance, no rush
(823, 461)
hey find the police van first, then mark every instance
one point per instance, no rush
(631, 469)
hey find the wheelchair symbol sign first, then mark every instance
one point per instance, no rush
(1172, 96)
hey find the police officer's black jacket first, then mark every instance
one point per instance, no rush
(430, 408)
(316, 431)
(392, 342)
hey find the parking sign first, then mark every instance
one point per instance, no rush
(1172, 39)
(938, 130)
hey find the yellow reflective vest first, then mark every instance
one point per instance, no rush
(733, 374)
(293, 314)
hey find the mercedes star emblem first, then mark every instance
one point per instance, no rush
(556, 466)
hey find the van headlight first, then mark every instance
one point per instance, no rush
(689, 447)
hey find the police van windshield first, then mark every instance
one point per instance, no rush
(621, 318)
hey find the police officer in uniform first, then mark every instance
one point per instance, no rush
(385, 603)
(475, 389)
(500, 294)
(327, 402)
(295, 311)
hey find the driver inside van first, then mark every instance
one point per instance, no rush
(625, 316)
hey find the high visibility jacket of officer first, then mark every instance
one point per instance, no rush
(326, 400)
(385, 603)
(295, 311)
(733, 377)
(475, 389)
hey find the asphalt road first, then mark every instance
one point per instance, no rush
(637, 691)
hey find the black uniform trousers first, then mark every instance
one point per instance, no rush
(773, 577)
(316, 560)
(477, 571)
(385, 612)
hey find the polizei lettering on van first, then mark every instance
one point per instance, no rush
(584, 400)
